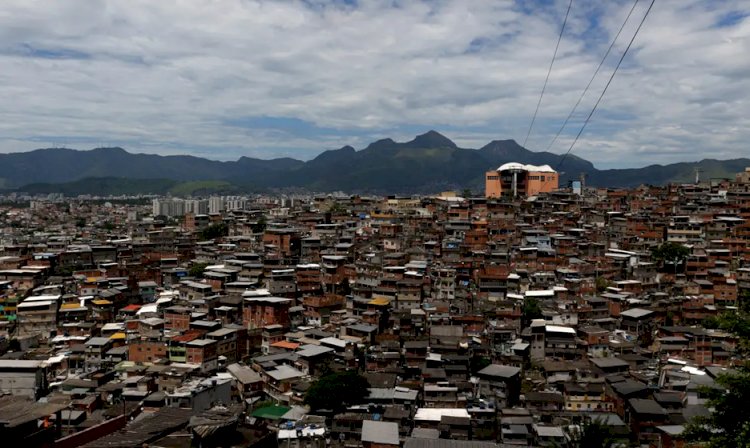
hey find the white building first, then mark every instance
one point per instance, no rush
(196, 206)
(216, 204)
(168, 207)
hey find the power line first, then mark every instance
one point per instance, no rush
(624, 53)
(596, 72)
(554, 55)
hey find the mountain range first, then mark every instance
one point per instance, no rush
(429, 163)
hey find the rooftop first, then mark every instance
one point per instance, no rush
(385, 433)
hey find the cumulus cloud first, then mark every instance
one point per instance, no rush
(267, 79)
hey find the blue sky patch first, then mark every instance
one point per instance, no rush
(32, 51)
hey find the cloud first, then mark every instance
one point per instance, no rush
(279, 78)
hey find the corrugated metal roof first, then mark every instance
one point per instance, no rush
(412, 442)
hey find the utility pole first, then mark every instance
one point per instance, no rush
(70, 415)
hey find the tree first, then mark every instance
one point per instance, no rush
(478, 363)
(729, 422)
(736, 322)
(744, 300)
(593, 434)
(14, 345)
(601, 284)
(670, 253)
(260, 225)
(337, 390)
(197, 269)
(731, 321)
(108, 225)
(531, 310)
(264, 404)
(214, 231)
(337, 208)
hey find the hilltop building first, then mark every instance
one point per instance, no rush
(516, 179)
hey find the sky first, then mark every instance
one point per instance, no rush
(223, 79)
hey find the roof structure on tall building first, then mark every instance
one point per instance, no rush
(525, 167)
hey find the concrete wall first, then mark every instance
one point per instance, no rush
(21, 384)
(92, 433)
(535, 184)
(492, 188)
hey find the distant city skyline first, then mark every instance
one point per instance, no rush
(267, 79)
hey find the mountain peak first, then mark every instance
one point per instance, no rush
(383, 143)
(343, 153)
(431, 139)
(508, 147)
(111, 150)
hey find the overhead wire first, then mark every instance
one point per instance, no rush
(593, 109)
(549, 71)
(596, 72)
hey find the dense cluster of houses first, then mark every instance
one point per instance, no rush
(489, 322)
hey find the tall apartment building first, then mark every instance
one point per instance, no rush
(168, 207)
(216, 204)
(235, 203)
(196, 206)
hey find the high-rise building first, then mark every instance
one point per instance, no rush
(196, 206)
(235, 203)
(215, 204)
(168, 207)
(157, 207)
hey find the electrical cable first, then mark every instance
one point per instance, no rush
(596, 72)
(544, 87)
(624, 53)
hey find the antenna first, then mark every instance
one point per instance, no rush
(698, 172)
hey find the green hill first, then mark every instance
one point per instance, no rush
(103, 186)
(428, 163)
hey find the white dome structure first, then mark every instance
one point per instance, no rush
(515, 166)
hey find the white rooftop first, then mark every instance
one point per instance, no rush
(542, 293)
(559, 329)
(380, 432)
(436, 414)
(522, 167)
(43, 298)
